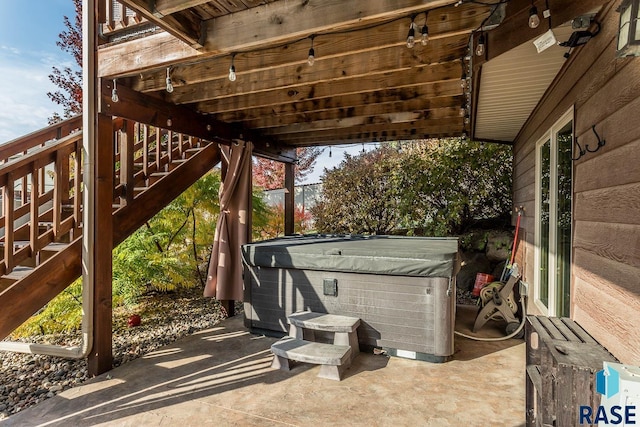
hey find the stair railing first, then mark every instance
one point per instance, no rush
(51, 169)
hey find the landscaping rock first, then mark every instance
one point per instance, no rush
(498, 245)
(28, 379)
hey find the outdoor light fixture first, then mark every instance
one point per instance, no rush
(411, 37)
(424, 38)
(232, 69)
(168, 81)
(312, 54)
(114, 92)
(629, 29)
(480, 48)
(169, 122)
(534, 19)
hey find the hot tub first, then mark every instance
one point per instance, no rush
(402, 288)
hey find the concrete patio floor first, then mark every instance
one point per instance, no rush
(222, 377)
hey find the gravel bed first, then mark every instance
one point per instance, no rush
(29, 379)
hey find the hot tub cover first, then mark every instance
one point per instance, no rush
(390, 255)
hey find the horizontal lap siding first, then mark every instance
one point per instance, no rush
(605, 92)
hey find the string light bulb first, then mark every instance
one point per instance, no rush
(114, 93)
(424, 37)
(363, 148)
(168, 81)
(534, 19)
(329, 151)
(480, 48)
(232, 69)
(411, 37)
(169, 122)
(312, 53)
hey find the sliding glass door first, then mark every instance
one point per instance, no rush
(553, 218)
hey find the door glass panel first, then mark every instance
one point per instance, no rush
(544, 209)
(563, 224)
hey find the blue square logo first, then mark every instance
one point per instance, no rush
(608, 381)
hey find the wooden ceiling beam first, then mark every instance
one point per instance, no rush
(167, 7)
(430, 94)
(285, 21)
(152, 53)
(356, 140)
(449, 109)
(186, 27)
(441, 79)
(411, 117)
(376, 134)
(277, 88)
(260, 74)
(153, 111)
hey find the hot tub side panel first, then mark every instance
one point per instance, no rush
(411, 314)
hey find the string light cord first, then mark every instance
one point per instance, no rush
(357, 29)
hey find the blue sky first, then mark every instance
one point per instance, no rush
(28, 34)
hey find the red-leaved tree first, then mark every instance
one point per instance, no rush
(68, 79)
(269, 174)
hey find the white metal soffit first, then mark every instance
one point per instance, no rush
(512, 84)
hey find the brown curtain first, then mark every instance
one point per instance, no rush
(224, 278)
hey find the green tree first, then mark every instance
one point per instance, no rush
(445, 186)
(431, 187)
(360, 195)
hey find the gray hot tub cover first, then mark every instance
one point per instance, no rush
(389, 255)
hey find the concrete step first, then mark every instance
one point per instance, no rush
(333, 358)
(324, 321)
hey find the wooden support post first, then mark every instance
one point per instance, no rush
(100, 358)
(126, 160)
(58, 186)
(35, 214)
(77, 191)
(8, 210)
(289, 198)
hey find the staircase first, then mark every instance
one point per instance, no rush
(41, 221)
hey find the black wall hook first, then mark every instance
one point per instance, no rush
(581, 151)
(601, 142)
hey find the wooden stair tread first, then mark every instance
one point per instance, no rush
(312, 352)
(55, 247)
(18, 273)
(324, 321)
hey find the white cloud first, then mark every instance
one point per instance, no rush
(24, 83)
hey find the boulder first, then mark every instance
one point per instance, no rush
(498, 245)
(472, 264)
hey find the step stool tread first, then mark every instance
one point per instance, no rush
(324, 321)
(311, 352)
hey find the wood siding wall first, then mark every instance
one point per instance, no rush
(605, 92)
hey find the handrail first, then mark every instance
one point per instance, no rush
(119, 17)
(24, 143)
